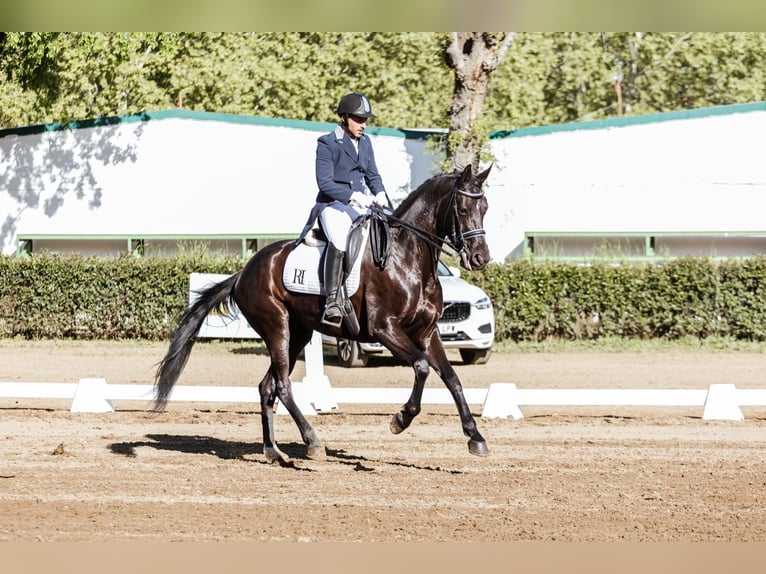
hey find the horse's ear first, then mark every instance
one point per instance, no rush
(482, 177)
(465, 177)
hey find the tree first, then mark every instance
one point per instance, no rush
(473, 56)
(414, 79)
(555, 77)
(302, 75)
(58, 77)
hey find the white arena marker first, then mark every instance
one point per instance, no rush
(721, 404)
(315, 381)
(501, 402)
(314, 393)
(90, 397)
(301, 396)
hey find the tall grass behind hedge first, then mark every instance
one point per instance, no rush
(686, 297)
(55, 296)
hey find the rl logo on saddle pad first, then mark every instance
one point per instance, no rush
(303, 269)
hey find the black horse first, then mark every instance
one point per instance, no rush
(397, 304)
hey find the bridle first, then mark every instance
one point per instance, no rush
(455, 238)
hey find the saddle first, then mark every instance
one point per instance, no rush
(303, 270)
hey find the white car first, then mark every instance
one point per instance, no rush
(467, 324)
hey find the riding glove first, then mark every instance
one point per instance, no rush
(381, 199)
(361, 199)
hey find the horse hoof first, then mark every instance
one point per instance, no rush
(273, 454)
(317, 453)
(479, 448)
(395, 427)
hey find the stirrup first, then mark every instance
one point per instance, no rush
(333, 321)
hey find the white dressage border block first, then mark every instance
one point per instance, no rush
(315, 380)
(90, 397)
(721, 404)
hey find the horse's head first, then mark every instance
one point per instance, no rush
(466, 229)
(450, 206)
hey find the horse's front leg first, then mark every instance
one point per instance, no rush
(411, 408)
(438, 359)
(402, 347)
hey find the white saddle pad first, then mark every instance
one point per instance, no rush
(303, 270)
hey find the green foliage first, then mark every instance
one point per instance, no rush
(555, 77)
(545, 78)
(65, 76)
(743, 302)
(292, 75)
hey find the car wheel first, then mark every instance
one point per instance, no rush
(475, 356)
(350, 354)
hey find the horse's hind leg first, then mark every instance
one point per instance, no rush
(267, 390)
(315, 449)
(275, 384)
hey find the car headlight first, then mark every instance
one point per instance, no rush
(483, 303)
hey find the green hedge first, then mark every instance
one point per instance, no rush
(687, 297)
(50, 296)
(53, 296)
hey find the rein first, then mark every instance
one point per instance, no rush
(455, 239)
(379, 237)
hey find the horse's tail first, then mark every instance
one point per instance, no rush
(216, 296)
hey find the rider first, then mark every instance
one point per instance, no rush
(349, 183)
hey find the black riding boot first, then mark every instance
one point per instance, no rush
(333, 273)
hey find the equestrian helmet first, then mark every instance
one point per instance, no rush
(355, 104)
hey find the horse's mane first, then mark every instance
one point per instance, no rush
(428, 184)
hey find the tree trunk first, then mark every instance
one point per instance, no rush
(473, 56)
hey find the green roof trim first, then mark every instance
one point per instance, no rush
(207, 116)
(391, 132)
(626, 121)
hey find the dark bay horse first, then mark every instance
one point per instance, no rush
(397, 305)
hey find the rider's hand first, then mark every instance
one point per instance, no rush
(381, 199)
(361, 199)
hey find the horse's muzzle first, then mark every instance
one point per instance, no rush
(475, 260)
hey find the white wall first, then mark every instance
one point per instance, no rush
(703, 173)
(175, 176)
(191, 173)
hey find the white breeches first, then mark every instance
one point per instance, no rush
(336, 220)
